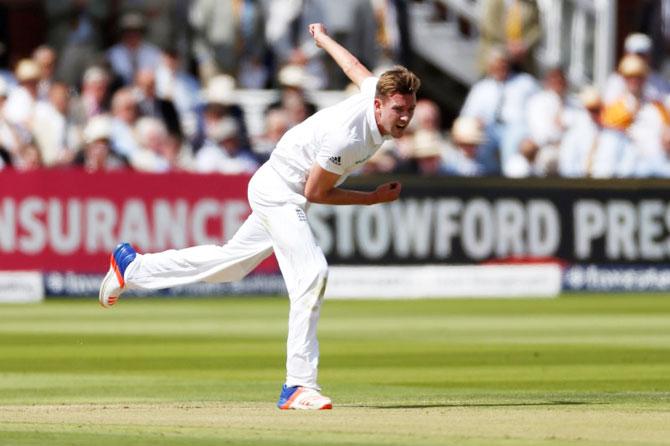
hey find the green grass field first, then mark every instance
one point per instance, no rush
(578, 370)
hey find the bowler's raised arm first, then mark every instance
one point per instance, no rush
(349, 64)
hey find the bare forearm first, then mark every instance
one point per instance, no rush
(337, 196)
(349, 64)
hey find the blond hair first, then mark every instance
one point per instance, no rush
(397, 80)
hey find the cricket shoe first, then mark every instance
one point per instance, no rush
(113, 284)
(303, 398)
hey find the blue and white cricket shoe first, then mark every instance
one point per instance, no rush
(113, 284)
(303, 398)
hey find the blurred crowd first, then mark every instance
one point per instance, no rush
(167, 94)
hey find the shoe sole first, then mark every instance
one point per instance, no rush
(112, 274)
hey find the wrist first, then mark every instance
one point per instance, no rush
(371, 198)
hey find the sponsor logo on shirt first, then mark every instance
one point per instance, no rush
(301, 215)
(337, 160)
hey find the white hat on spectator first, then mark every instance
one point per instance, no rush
(468, 130)
(99, 127)
(220, 90)
(590, 97)
(427, 144)
(637, 43)
(295, 76)
(633, 65)
(27, 70)
(223, 129)
(95, 74)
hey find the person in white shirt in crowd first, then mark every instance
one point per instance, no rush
(93, 100)
(152, 136)
(467, 136)
(178, 154)
(223, 153)
(649, 136)
(658, 164)
(656, 86)
(175, 84)
(276, 124)
(616, 153)
(580, 142)
(56, 134)
(97, 154)
(11, 137)
(499, 102)
(133, 52)
(20, 106)
(46, 59)
(549, 113)
(309, 164)
(124, 117)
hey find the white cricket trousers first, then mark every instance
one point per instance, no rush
(278, 223)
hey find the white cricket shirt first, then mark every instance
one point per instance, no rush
(340, 138)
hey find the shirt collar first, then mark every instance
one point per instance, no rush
(377, 137)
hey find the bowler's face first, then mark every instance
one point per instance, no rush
(393, 113)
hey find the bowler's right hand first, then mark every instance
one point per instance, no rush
(387, 192)
(318, 30)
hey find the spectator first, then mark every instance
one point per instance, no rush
(581, 140)
(152, 138)
(151, 105)
(174, 83)
(97, 155)
(230, 39)
(56, 135)
(513, 25)
(124, 117)
(468, 136)
(11, 137)
(178, 154)
(45, 57)
(220, 101)
(293, 80)
(656, 86)
(649, 134)
(276, 124)
(620, 113)
(427, 153)
(28, 158)
(393, 36)
(549, 113)
(222, 152)
(94, 95)
(499, 101)
(133, 52)
(21, 102)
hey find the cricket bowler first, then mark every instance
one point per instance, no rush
(309, 163)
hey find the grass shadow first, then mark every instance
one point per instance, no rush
(453, 405)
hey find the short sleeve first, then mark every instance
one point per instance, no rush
(369, 86)
(331, 161)
(335, 155)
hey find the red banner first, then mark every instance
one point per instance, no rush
(69, 220)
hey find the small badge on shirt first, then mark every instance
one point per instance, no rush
(301, 214)
(337, 160)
